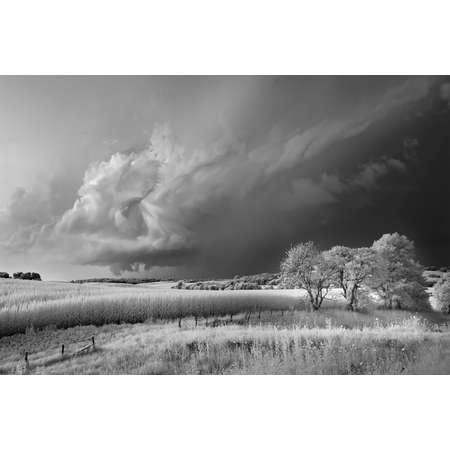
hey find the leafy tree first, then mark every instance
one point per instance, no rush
(442, 292)
(4, 275)
(354, 266)
(340, 256)
(27, 276)
(398, 277)
(306, 267)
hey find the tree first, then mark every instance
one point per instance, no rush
(354, 266)
(442, 292)
(306, 267)
(27, 276)
(4, 275)
(398, 277)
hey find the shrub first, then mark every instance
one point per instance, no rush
(4, 275)
(442, 293)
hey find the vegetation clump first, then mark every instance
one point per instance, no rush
(442, 293)
(244, 282)
(389, 269)
(27, 276)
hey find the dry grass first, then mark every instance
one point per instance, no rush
(25, 304)
(135, 333)
(405, 347)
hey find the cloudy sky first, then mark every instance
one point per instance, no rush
(186, 176)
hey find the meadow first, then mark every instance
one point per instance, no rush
(152, 329)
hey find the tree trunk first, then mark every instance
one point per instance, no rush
(353, 302)
(342, 284)
(312, 301)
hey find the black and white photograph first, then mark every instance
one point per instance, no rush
(214, 213)
(225, 225)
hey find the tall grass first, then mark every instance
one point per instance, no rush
(27, 304)
(399, 349)
(331, 341)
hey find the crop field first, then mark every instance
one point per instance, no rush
(153, 329)
(64, 305)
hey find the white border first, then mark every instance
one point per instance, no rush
(224, 412)
(233, 37)
(224, 37)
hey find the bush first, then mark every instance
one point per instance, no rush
(4, 275)
(442, 293)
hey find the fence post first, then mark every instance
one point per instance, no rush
(27, 364)
(179, 322)
(93, 342)
(196, 320)
(62, 350)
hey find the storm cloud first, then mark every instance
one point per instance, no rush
(230, 202)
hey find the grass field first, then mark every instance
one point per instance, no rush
(137, 330)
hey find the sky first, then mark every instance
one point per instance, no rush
(216, 176)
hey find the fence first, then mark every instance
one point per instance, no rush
(63, 355)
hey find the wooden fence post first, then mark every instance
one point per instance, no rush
(93, 342)
(62, 350)
(27, 364)
(179, 322)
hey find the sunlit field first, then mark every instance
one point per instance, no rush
(63, 305)
(152, 329)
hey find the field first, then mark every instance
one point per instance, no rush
(152, 329)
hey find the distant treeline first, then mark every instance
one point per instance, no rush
(22, 275)
(239, 282)
(122, 280)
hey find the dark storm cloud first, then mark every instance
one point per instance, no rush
(300, 158)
